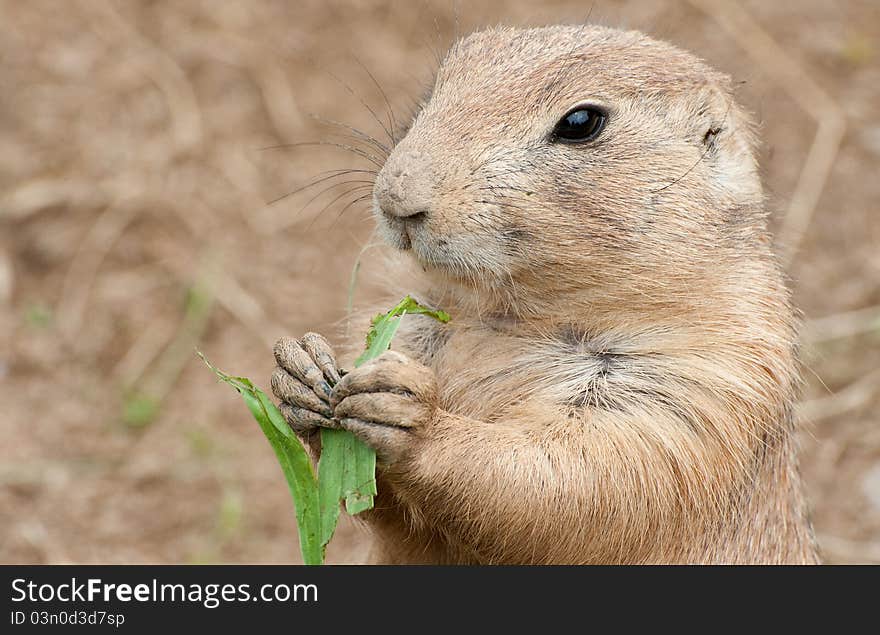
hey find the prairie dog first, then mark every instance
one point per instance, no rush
(617, 381)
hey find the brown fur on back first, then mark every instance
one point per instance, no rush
(616, 384)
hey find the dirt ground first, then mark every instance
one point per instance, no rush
(136, 224)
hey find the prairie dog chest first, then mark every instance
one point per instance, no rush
(484, 369)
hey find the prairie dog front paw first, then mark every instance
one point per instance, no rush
(387, 402)
(303, 382)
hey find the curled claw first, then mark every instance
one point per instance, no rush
(385, 402)
(322, 354)
(391, 444)
(293, 358)
(302, 382)
(292, 391)
(382, 407)
(391, 372)
(303, 421)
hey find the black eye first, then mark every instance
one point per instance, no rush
(584, 123)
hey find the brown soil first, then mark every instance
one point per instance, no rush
(134, 225)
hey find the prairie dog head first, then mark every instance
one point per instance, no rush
(562, 158)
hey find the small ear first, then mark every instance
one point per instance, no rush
(709, 137)
(723, 132)
(713, 116)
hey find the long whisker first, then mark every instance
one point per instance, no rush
(316, 181)
(358, 151)
(332, 187)
(378, 145)
(427, 37)
(571, 58)
(355, 201)
(364, 104)
(391, 120)
(341, 196)
(338, 216)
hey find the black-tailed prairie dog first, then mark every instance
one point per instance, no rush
(617, 381)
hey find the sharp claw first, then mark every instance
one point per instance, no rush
(321, 352)
(323, 390)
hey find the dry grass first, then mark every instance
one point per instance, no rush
(134, 224)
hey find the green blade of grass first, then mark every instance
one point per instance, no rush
(331, 479)
(361, 487)
(348, 464)
(379, 340)
(347, 467)
(294, 461)
(385, 325)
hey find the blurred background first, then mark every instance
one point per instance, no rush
(138, 165)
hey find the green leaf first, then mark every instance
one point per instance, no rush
(385, 325)
(292, 457)
(361, 486)
(347, 467)
(348, 464)
(379, 340)
(331, 479)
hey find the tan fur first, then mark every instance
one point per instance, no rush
(617, 381)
